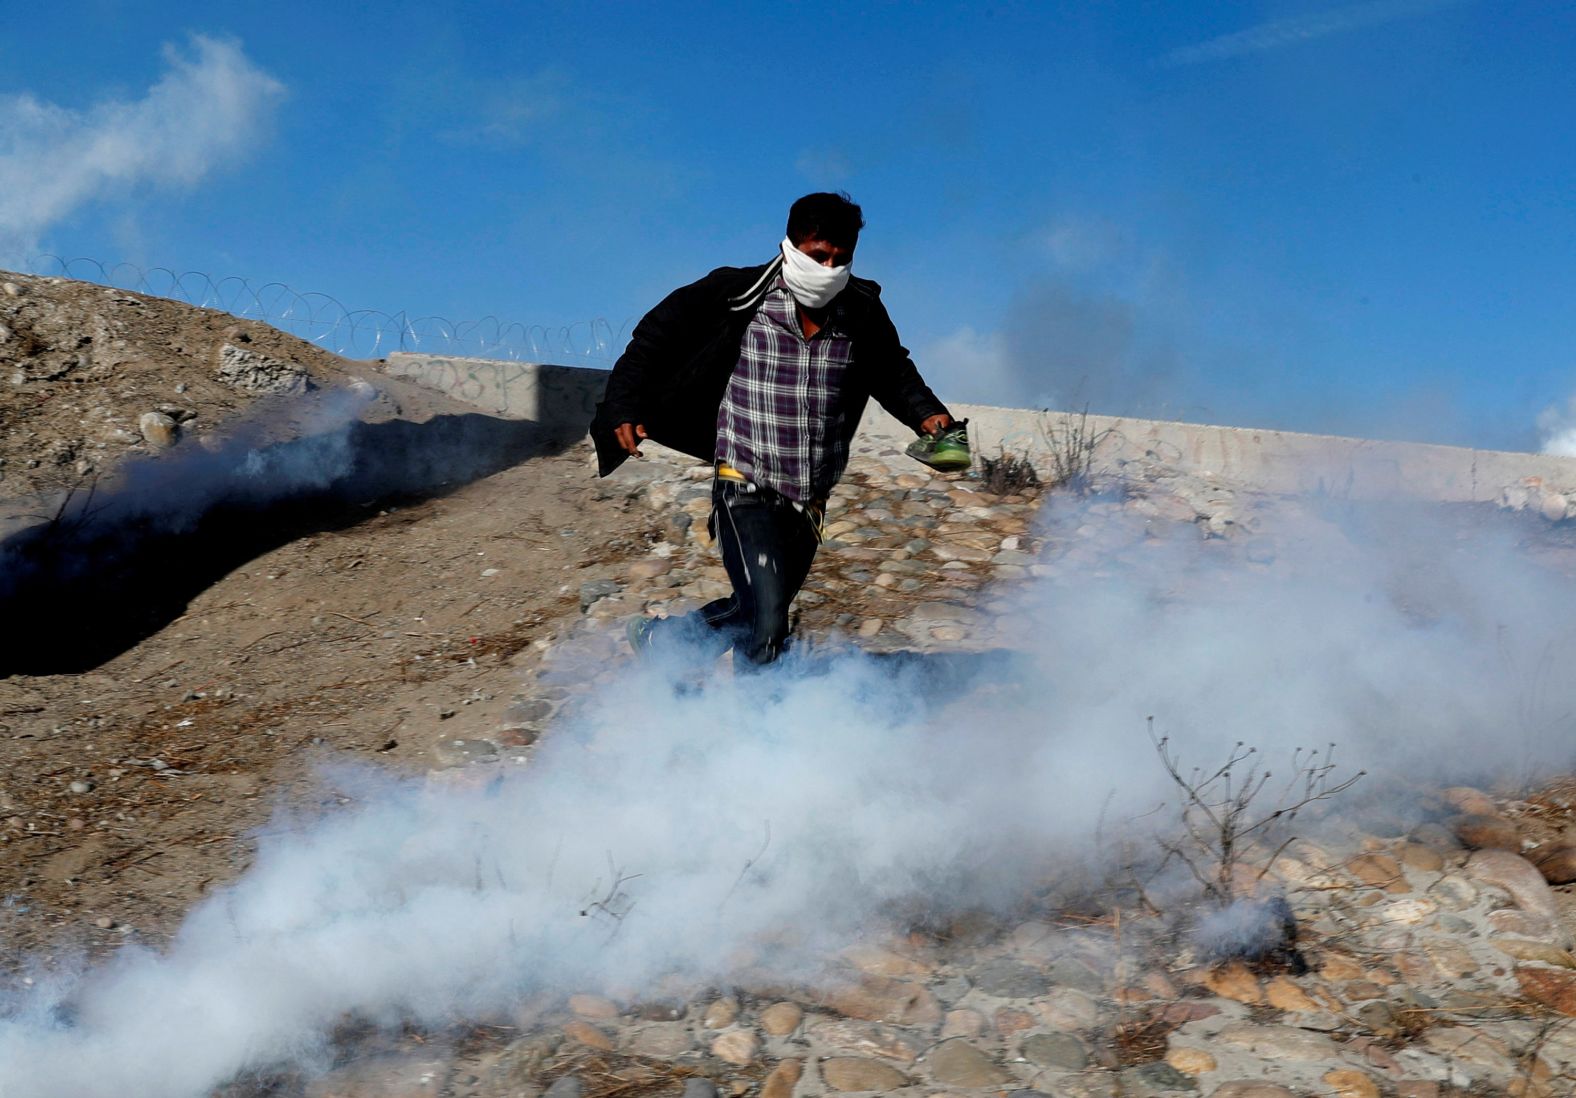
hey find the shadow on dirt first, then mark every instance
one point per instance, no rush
(111, 570)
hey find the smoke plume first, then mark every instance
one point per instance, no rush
(127, 553)
(759, 823)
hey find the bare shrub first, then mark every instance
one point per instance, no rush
(1071, 443)
(1008, 474)
(1227, 811)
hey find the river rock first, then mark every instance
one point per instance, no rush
(1524, 949)
(1519, 924)
(736, 1046)
(962, 1023)
(1454, 892)
(877, 961)
(869, 1039)
(781, 1019)
(721, 1013)
(1055, 1050)
(1349, 1083)
(958, 1063)
(1472, 802)
(858, 1073)
(662, 1040)
(1234, 980)
(1068, 1008)
(1517, 876)
(1248, 1088)
(1009, 979)
(1155, 1076)
(1379, 870)
(1557, 862)
(883, 1000)
(1554, 989)
(1487, 833)
(782, 1080)
(1420, 856)
(1409, 912)
(1190, 1061)
(1284, 993)
(1279, 1042)
(407, 1076)
(587, 1034)
(1010, 1020)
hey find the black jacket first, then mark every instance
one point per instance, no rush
(672, 376)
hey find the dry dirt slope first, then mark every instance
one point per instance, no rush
(171, 683)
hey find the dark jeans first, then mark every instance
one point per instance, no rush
(767, 545)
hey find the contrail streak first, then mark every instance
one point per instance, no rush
(1277, 33)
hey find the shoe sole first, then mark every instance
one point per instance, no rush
(945, 462)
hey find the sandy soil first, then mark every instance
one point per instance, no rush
(172, 709)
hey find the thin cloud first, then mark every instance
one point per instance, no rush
(519, 110)
(210, 109)
(1278, 33)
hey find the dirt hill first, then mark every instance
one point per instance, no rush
(186, 670)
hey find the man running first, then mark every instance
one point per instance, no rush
(765, 372)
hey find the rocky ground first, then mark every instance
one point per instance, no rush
(1437, 952)
(427, 633)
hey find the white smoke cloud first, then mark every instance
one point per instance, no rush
(1279, 33)
(667, 833)
(1557, 428)
(209, 111)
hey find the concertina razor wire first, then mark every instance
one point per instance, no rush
(353, 333)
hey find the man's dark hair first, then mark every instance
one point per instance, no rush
(833, 218)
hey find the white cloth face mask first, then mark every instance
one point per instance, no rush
(811, 284)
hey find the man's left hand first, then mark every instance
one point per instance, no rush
(936, 424)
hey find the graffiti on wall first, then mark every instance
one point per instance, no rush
(550, 395)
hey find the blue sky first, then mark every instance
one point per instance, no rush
(1355, 217)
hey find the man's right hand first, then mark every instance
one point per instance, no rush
(629, 436)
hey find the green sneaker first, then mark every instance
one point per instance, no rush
(638, 629)
(947, 452)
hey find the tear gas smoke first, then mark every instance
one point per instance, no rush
(762, 822)
(125, 555)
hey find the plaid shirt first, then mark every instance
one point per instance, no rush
(781, 422)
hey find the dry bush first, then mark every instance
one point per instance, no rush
(1072, 444)
(1008, 474)
(1224, 810)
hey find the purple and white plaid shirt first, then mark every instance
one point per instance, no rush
(782, 417)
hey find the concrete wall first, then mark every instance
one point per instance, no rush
(549, 395)
(1275, 461)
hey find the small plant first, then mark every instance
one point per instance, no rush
(1225, 812)
(1008, 474)
(1072, 443)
